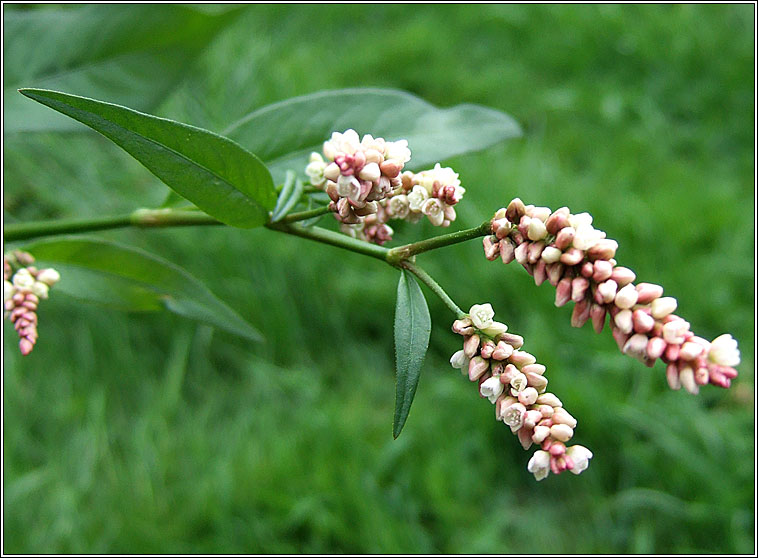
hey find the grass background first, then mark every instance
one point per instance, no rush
(149, 433)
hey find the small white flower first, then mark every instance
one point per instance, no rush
(491, 388)
(348, 187)
(435, 210)
(23, 279)
(397, 150)
(370, 142)
(513, 416)
(445, 176)
(580, 219)
(399, 207)
(40, 289)
(481, 315)
(459, 360)
(673, 331)
(8, 290)
(580, 456)
(724, 351)
(48, 276)
(586, 236)
(417, 197)
(539, 464)
(315, 169)
(495, 329)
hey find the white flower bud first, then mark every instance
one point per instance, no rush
(626, 297)
(540, 433)
(40, 289)
(561, 432)
(459, 360)
(481, 315)
(724, 351)
(662, 307)
(370, 172)
(495, 329)
(673, 331)
(580, 219)
(580, 456)
(536, 230)
(435, 210)
(315, 169)
(8, 290)
(417, 197)
(23, 279)
(551, 254)
(539, 464)
(332, 172)
(397, 150)
(49, 276)
(398, 206)
(491, 388)
(623, 321)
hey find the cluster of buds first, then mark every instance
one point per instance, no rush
(578, 260)
(367, 186)
(515, 383)
(23, 286)
(356, 173)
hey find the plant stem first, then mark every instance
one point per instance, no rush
(434, 286)
(402, 253)
(326, 236)
(303, 215)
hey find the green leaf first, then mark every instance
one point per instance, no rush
(283, 134)
(126, 278)
(290, 196)
(132, 54)
(412, 328)
(217, 175)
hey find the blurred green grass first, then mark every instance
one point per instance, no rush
(147, 433)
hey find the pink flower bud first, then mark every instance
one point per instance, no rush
(507, 251)
(690, 351)
(536, 381)
(579, 286)
(687, 379)
(521, 253)
(607, 290)
(540, 433)
(601, 271)
(597, 315)
(488, 347)
(623, 276)
(477, 366)
(648, 292)
(545, 410)
(535, 251)
(701, 376)
(603, 249)
(508, 374)
(563, 292)
(554, 273)
(25, 346)
(564, 238)
(562, 416)
(515, 341)
(636, 346)
(557, 221)
(528, 396)
(642, 322)
(471, 346)
(491, 247)
(502, 351)
(525, 437)
(540, 273)
(463, 327)
(549, 399)
(581, 313)
(523, 225)
(572, 256)
(391, 168)
(515, 210)
(561, 432)
(655, 347)
(620, 337)
(533, 369)
(522, 358)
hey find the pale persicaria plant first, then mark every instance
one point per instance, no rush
(366, 183)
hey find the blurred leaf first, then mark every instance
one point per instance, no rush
(284, 133)
(126, 278)
(132, 54)
(412, 328)
(213, 172)
(289, 196)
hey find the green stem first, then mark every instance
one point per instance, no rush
(402, 253)
(303, 215)
(326, 236)
(434, 286)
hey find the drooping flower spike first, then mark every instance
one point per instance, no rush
(578, 260)
(364, 178)
(514, 382)
(23, 287)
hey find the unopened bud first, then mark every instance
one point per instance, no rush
(580, 313)
(572, 256)
(648, 292)
(549, 399)
(515, 341)
(597, 315)
(687, 379)
(626, 297)
(561, 432)
(623, 276)
(662, 307)
(608, 290)
(515, 210)
(527, 396)
(564, 238)
(601, 271)
(471, 346)
(536, 230)
(563, 292)
(507, 251)
(655, 347)
(522, 358)
(476, 367)
(642, 322)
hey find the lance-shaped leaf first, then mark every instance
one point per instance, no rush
(412, 328)
(133, 55)
(283, 134)
(126, 278)
(216, 174)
